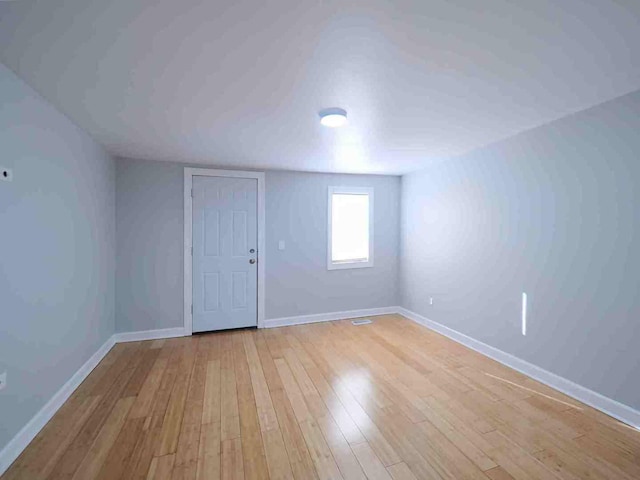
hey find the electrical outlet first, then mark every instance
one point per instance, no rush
(3, 380)
(430, 300)
(6, 174)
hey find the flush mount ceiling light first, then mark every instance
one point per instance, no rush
(333, 117)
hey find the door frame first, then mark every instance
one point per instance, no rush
(189, 173)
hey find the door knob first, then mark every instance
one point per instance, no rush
(252, 261)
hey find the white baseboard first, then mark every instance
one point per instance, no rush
(15, 447)
(149, 334)
(328, 317)
(611, 407)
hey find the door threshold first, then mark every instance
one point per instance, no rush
(253, 327)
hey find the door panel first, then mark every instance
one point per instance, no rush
(225, 230)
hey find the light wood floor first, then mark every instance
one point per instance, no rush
(391, 400)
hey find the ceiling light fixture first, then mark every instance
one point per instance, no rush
(333, 117)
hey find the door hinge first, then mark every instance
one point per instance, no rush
(192, 309)
(192, 251)
(192, 193)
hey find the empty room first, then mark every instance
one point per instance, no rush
(319, 239)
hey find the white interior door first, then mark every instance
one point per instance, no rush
(225, 253)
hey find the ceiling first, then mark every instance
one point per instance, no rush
(239, 83)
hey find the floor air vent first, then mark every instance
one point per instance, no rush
(361, 321)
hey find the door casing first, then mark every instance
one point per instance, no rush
(189, 173)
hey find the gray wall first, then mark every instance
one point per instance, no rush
(298, 282)
(149, 265)
(149, 246)
(553, 212)
(57, 250)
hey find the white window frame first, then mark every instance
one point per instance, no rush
(349, 191)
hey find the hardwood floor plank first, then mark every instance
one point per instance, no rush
(516, 461)
(141, 373)
(363, 422)
(599, 425)
(75, 453)
(544, 420)
(163, 394)
(266, 413)
(368, 427)
(230, 422)
(387, 369)
(397, 437)
(161, 467)
(144, 401)
(390, 400)
(304, 382)
(311, 396)
(195, 396)
(342, 453)
(371, 464)
(38, 461)
(186, 460)
(97, 454)
(118, 457)
(268, 366)
(89, 385)
(254, 456)
(145, 449)
(276, 343)
(465, 445)
(443, 453)
(330, 399)
(299, 458)
(340, 415)
(176, 407)
(628, 462)
(209, 452)
(126, 353)
(468, 416)
(277, 458)
(232, 461)
(293, 391)
(401, 471)
(498, 473)
(319, 451)
(211, 404)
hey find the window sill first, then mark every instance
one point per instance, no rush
(349, 265)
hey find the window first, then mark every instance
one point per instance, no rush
(350, 243)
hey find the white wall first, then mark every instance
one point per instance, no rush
(552, 212)
(57, 250)
(149, 285)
